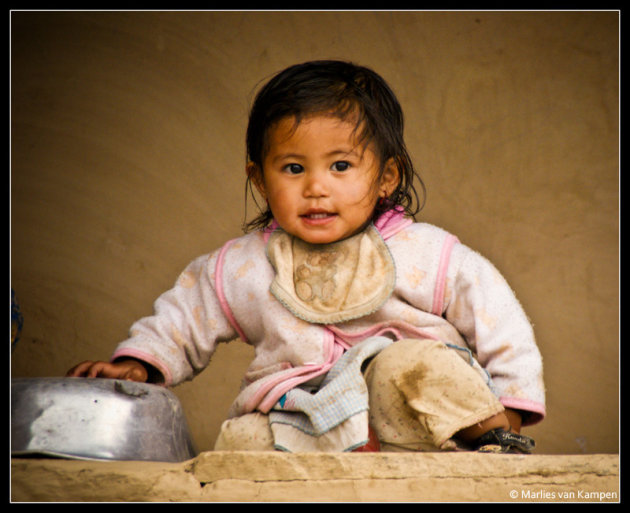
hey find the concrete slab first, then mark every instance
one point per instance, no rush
(281, 477)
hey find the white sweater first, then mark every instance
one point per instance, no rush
(443, 290)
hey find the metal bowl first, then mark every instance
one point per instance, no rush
(97, 419)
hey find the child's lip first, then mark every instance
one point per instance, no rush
(316, 213)
(317, 217)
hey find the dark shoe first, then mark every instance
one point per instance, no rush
(502, 441)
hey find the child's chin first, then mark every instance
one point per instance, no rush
(318, 238)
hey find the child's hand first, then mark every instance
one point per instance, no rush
(131, 370)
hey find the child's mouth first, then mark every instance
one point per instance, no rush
(318, 217)
(322, 215)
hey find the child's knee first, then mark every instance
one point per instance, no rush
(406, 354)
(250, 432)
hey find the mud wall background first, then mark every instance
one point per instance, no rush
(127, 161)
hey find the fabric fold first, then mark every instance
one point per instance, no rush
(305, 413)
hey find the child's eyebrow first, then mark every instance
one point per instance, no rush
(298, 156)
(351, 153)
(286, 156)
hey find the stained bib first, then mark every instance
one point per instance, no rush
(331, 283)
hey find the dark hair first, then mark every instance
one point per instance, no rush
(344, 90)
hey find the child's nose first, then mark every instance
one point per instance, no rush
(316, 184)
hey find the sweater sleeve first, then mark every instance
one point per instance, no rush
(483, 308)
(187, 324)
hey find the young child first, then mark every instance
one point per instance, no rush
(370, 330)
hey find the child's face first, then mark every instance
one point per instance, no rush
(320, 185)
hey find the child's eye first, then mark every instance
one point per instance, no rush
(341, 165)
(294, 169)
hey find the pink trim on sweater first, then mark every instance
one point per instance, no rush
(145, 357)
(270, 392)
(269, 230)
(537, 410)
(391, 222)
(223, 303)
(262, 394)
(284, 386)
(440, 281)
(395, 328)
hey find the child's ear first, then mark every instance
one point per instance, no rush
(254, 172)
(389, 179)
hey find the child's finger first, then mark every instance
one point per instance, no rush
(97, 369)
(80, 369)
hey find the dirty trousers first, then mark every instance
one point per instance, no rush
(421, 392)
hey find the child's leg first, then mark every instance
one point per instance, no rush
(474, 432)
(250, 432)
(423, 394)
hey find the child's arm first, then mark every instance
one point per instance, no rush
(483, 308)
(177, 341)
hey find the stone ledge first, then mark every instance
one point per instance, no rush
(282, 477)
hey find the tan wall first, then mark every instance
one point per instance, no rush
(128, 161)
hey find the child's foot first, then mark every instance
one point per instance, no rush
(501, 441)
